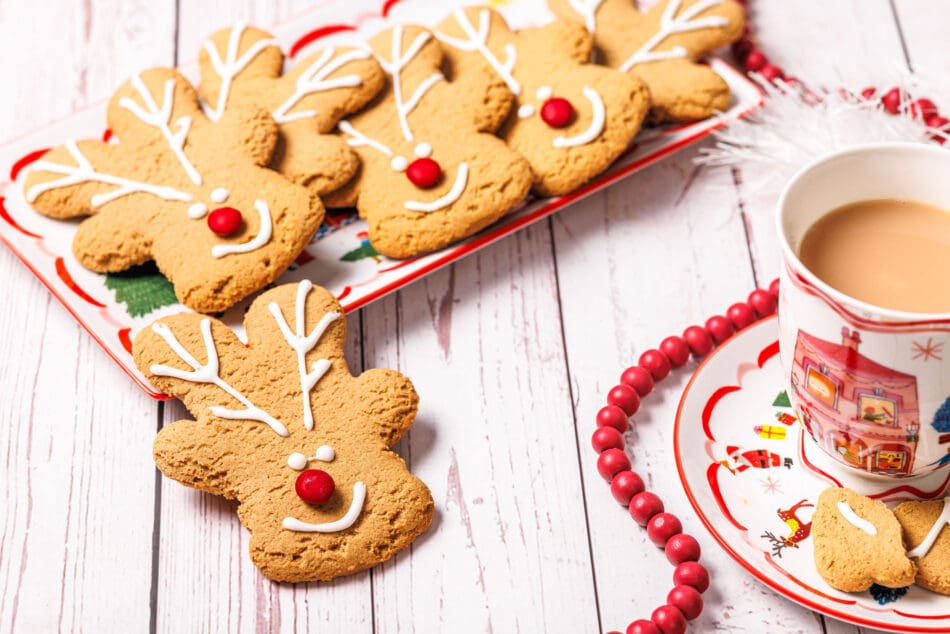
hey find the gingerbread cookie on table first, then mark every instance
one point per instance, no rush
(432, 173)
(926, 527)
(242, 66)
(176, 188)
(858, 543)
(661, 46)
(570, 119)
(283, 427)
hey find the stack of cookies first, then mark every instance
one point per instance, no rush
(432, 135)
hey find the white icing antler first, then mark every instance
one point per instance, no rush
(671, 23)
(208, 373)
(302, 344)
(84, 172)
(587, 9)
(231, 65)
(394, 68)
(314, 79)
(159, 118)
(478, 41)
(359, 139)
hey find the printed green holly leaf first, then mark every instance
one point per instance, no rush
(365, 250)
(142, 289)
(782, 400)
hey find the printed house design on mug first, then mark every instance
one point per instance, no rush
(880, 404)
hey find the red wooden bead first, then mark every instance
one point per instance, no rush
(605, 438)
(625, 485)
(719, 328)
(613, 416)
(742, 48)
(771, 72)
(645, 505)
(669, 619)
(614, 632)
(773, 288)
(642, 626)
(424, 172)
(656, 363)
(923, 108)
(891, 100)
(755, 60)
(612, 462)
(662, 527)
(314, 486)
(638, 378)
(869, 92)
(763, 302)
(691, 573)
(936, 121)
(682, 547)
(698, 340)
(557, 112)
(224, 221)
(624, 397)
(686, 600)
(675, 350)
(741, 315)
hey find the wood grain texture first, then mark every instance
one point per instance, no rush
(512, 351)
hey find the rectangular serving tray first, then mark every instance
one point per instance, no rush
(339, 257)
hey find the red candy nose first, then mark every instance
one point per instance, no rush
(557, 112)
(424, 173)
(314, 486)
(224, 221)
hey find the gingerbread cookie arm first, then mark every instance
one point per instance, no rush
(194, 452)
(696, 93)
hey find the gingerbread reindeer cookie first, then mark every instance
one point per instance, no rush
(242, 66)
(177, 188)
(571, 119)
(661, 46)
(282, 426)
(432, 172)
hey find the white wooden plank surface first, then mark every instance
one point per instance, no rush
(498, 345)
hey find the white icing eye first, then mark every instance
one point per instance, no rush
(219, 195)
(544, 93)
(325, 454)
(198, 210)
(525, 111)
(399, 163)
(297, 461)
(423, 150)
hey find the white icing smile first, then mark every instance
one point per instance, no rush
(598, 118)
(262, 237)
(352, 513)
(461, 180)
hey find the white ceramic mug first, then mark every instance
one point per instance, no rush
(871, 385)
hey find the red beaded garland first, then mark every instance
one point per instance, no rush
(224, 221)
(639, 379)
(625, 485)
(643, 506)
(686, 600)
(923, 108)
(755, 60)
(682, 547)
(763, 302)
(675, 350)
(698, 340)
(605, 438)
(612, 462)
(314, 486)
(691, 573)
(662, 527)
(891, 100)
(656, 363)
(424, 172)
(690, 578)
(624, 397)
(642, 626)
(669, 619)
(719, 328)
(557, 112)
